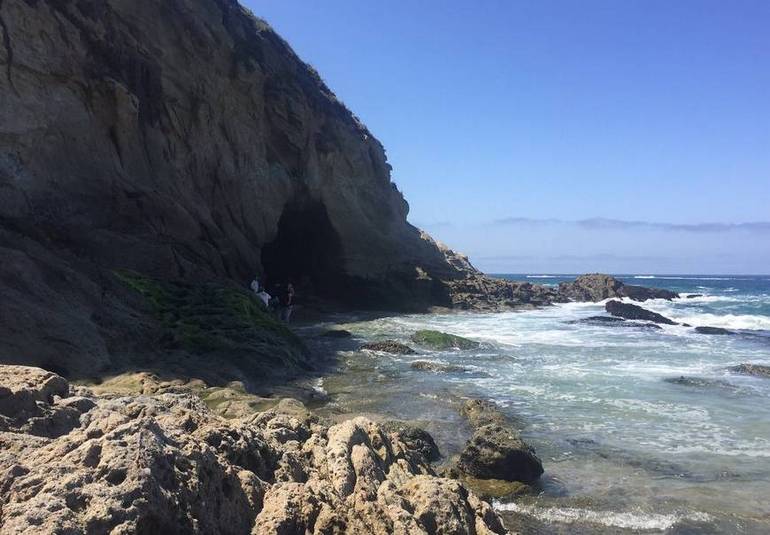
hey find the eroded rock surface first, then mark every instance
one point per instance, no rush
(164, 463)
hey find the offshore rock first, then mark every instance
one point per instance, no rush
(165, 464)
(635, 312)
(598, 287)
(712, 330)
(757, 370)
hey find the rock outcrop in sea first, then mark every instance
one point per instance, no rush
(73, 462)
(598, 287)
(634, 312)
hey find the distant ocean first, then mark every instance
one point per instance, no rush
(628, 446)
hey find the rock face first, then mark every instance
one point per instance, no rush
(598, 287)
(635, 312)
(184, 141)
(165, 464)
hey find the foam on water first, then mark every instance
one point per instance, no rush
(628, 520)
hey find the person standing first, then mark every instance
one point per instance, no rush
(287, 303)
(255, 284)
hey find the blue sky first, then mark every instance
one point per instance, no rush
(509, 124)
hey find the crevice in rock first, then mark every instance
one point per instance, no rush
(8, 51)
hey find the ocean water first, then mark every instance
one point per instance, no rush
(625, 449)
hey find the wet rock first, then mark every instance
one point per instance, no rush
(697, 382)
(163, 463)
(416, 438)
(712, 330)
(599, 319)
(480, 412)
(757, 370)
(389, 346)
(336, 333)
(613, 321)
(635, 312)
(436, 367)
(642, 293)
(439, 340)
(598, 287)
(497, 452)
(693, 296)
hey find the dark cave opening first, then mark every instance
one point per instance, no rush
(306, 251)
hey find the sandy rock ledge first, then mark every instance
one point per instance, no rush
(72, 462)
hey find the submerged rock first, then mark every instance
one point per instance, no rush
(389, 346)
(440, 340)
(497, 452)
(613, 321)
(164, 463)
(437, 367)
(635, 312)
(698, 382)
(336, 333)
(757, 370)
(712, 330)
(480, 412)
(693, 296)
(598, 287)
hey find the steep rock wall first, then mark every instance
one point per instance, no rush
(180, 139)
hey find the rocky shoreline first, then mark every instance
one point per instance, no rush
(79, 463)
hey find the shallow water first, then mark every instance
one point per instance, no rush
(624, 449)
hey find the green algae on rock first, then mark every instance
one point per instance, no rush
(213, 318)
(439, 340)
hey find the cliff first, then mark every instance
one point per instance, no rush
(154, 156)
(180, 141)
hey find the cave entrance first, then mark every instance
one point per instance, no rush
(306, 251)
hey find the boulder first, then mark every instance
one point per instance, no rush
(757, 370)
(440, 341)
(497, 452)
(635, 312)
(388, 346)
(712, 330)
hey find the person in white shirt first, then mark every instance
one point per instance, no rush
(264, 297)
